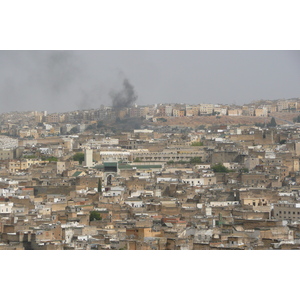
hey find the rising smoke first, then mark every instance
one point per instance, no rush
(58, 81)
(55, 81)
(124, 98)
(61, 71)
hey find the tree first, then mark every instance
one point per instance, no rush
(220, 168)
(195, 160)
(100, 124)
(272, 123)
(297, 119)
(74, 130)
(100, 186)
(260, 125)
(94, 215)
(244, 170)
(197, 144)
(90, 127)
(52, 158)
(162, 120)
(79, 157)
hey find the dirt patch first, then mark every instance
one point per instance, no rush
(195, 121)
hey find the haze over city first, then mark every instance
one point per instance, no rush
(58, 81)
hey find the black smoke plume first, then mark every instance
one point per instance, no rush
(125, 97)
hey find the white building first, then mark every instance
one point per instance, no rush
(114, 155)
(88, 158)
(6, 208)
(8, 143)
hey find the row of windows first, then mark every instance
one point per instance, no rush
(256, 181)
(288, 217)
(298, 212)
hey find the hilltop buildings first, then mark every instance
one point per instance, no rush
(103, 186)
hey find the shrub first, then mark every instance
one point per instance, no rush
(94, 215)
(197, 144)
(195, 160)
(220, 168)
(79, 157)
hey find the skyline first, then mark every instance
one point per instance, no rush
(60, 81)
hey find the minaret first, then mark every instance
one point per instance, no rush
(88, 158)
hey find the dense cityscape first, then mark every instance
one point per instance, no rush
(157, 177)
(126, 126)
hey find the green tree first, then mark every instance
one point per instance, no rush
(220, 168)
(244, 170)
(90, 127)
(162, 119)
(272, 123)
(94, 215)
(197, 144)
(297, 119)
(52, 158)
(79, 157)
(195, 160)
(74, 130)
(100, 124)
(260, 124)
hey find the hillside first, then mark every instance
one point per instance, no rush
(281, 118)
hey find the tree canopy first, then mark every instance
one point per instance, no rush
(74, 130)
(94, 215)
(79, 157)
(272, 123)
(195, 160)
(220, 168)
(297, 119)
(197, 144)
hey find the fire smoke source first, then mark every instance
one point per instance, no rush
(124, 98)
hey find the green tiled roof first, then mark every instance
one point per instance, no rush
(76, 173)
(110, 164)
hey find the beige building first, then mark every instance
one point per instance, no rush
(191, 110)
(24, 133)
(22, 165)
(221, 110)
(6, 154)
(169, 155)
(206, 109)
(261, 112)
(235, 112)
(287, 211)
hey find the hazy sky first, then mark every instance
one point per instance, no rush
(59, 81)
